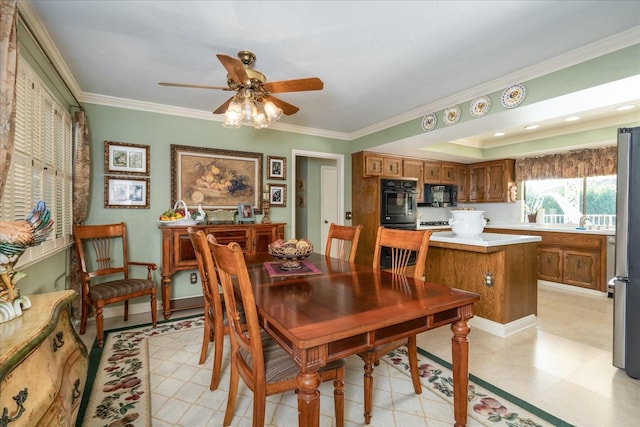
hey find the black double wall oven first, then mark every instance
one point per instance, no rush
(398, 209)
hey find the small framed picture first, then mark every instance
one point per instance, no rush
(121, 192)
(126, 159)
(278, 195)
(277, 167)
(245, 212)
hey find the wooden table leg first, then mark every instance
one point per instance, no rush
(460, 356)
(166, 296)
(308, 399)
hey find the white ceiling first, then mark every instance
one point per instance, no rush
(382, 62)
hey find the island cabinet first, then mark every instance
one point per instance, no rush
(43, 364)
(577, 259)
(490, 181)
(178, 253)
(504, 276)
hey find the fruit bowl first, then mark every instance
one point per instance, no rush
(292, 252)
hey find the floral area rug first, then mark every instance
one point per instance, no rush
(488, 404)
(118, 392)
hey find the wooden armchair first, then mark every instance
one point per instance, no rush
(264, 366)
(401, 244)
(215, 325)
(345, 237)
(98, 247)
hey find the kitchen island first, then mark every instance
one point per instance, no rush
(502, 268)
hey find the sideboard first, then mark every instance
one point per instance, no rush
(43, 364)
(178, 253)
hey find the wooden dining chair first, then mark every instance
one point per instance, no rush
(264, 366)
(345, 238)
(215, 324)
(103, 255)
(401, 244)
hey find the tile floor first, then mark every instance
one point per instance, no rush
(563, 366)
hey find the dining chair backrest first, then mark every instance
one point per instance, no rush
(245, 338)
(214, 328)
(346, 239)
(402, 243)
(208, 277)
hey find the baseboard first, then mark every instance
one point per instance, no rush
(571, 288)
(503, 330)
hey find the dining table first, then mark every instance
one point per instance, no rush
(329, 309)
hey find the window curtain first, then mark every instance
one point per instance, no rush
(576, 164)
(81, 193)
(8, 72)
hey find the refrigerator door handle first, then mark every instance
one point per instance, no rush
(619, 284)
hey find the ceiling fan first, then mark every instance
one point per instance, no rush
(252, 84)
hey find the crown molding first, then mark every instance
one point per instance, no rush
(560, 62)
(111, 101)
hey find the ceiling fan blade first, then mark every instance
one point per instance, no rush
(235, 68)
(193, 86)
(311, 83)
(223, 108)
(287, 108)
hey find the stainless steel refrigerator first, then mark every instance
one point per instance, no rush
(626, 283)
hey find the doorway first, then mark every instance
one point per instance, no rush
(307, 191)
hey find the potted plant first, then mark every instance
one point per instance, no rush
(531, 208)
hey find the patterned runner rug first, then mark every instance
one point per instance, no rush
(120, 394)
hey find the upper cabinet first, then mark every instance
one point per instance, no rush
(377, 164)
(432, 172)
(490, 181)
(412, 168)
(477, 182)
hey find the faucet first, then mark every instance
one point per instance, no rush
(585, 220)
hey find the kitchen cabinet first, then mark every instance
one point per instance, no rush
(178, 253)
(414, 169)
(577, 259)
(461, 181)
(449, 174)
(42, 359)
(432, 173)
(490, 181)
(379, 164)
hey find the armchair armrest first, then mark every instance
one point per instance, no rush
(150, 266)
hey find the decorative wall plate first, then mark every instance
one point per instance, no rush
(480, 106)
(513, 96)
(451, 115)
(429, 122)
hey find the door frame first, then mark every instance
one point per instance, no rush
(339, 158)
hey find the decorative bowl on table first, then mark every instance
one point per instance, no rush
(291, 251)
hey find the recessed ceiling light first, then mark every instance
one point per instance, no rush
(572, 119)
(498, 134)
(531, 127)
(625, 107)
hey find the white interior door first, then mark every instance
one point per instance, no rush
(328, 200)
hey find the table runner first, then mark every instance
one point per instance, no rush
(306, 268)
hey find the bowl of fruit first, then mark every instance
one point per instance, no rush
(180, 215)
(292, 251)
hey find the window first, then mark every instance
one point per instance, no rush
(41, 165)
(565, 201)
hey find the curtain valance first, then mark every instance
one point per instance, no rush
(575, 164)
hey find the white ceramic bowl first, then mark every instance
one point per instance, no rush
(467, 223)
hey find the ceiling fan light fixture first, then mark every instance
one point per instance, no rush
(273, 112)
(232, 116)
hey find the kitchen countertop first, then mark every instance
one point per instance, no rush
(484, 239)
(557, 228)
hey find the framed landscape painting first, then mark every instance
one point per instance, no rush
(216, 179)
